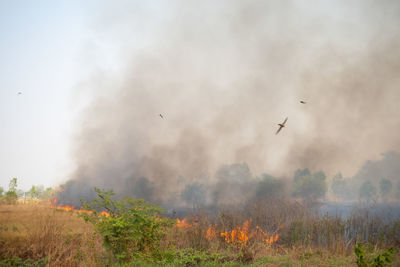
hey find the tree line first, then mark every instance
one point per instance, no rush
(13, 193)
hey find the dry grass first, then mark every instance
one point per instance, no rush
(37, 231)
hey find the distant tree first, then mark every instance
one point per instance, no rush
(299, 173)
(385, 188)
(11, 195)
(33, 192)
(234, 173)
(48, 193)
(234, 184)
(1, 191)
(40, 191)
(143, 188)
(310, 186)
(13, 185)
(388, 167)
(339, 186)
(270, 187)
(194, 194)
(368, 191)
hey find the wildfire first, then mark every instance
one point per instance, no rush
(66, 208)
(105, 213)
(72, 208)
(84, 211)
(211, 233)
(182, 223)
(268, 239)
(238, 237)
(272, 239)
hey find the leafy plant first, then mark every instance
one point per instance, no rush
(360, 254)
(18, 262)
(384, 258)
(11, 195)
(130, 228)
(379, 261)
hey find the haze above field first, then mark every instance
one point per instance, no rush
(95, 77)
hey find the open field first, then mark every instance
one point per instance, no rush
(43, 235)
(38, 231)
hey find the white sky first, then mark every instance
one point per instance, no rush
(40, 47)
(48, 49)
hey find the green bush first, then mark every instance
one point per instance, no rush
(18, 262)
(131, 229)
(11, 197)
(379, 261)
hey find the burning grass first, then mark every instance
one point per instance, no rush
(260, 235)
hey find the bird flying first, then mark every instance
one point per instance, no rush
(303, 102)
(161, 116)
(20, 93)
(281, 125)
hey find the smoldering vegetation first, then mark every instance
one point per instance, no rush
(375, 187)
(223, 75)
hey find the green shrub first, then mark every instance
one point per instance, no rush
(360, 254)
(11, 197)
(379, 261)
(18, 262)
(131, 229)
(384, 258)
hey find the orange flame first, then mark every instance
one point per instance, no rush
(211, 233)
(272, 239)
(84, 211)
(268, 239)
(182, 223)
(66, 208)
(72, 208)
(105, 213)
(239, 236)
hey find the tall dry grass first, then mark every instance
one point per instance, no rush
(37, 231)
(297, 224)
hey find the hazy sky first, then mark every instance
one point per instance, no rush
(94, 76)
(41, 48)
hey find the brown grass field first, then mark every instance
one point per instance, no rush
(34, 231)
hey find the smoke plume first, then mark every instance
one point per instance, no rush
(223, 75)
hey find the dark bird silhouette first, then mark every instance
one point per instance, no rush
(20, 93)
(281, 125)
(161, 116)
(303, 102)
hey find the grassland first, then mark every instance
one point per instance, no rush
(36, 234)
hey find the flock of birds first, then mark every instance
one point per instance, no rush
(281, 125)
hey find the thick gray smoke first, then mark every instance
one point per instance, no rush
(223, 75)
